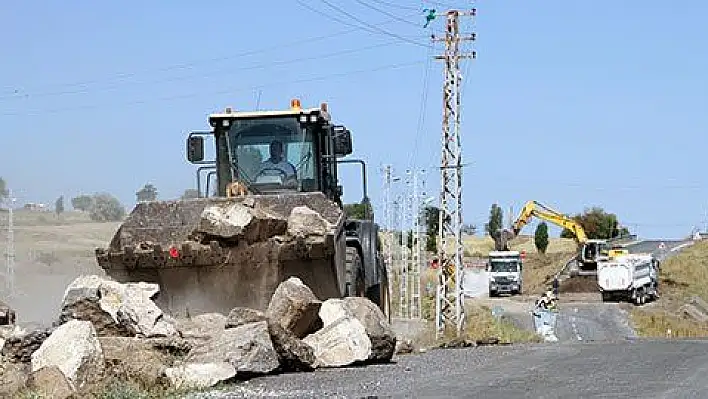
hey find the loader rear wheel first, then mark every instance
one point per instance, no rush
(354, 279)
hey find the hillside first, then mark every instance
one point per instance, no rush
(682, 278)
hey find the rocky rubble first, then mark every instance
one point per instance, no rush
(108, 330)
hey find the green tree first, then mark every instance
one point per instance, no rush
(431, 220)
(106, 208)
(59, 205)
(190, 193)
(4, 192)
(496, 220)
(597, 224)
(147, 193)
(357, 211)
(540, 237)
(409, 240)
(82, 202)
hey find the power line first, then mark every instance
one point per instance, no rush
(185, 65)
(224, 91)
(220, 72)
(385, 32)
(388, 14)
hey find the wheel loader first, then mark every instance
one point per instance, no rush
(273, 211)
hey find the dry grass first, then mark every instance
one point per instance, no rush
(539, 270)
(481, 246)
(682, 277)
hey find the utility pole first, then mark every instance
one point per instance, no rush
(10, 250)
(451, 312)
(403, 295)
(389, 226)
(417, 249)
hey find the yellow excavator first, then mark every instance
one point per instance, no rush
(590, 251)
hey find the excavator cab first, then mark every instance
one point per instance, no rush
(592, 251)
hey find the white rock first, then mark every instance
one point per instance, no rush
(199, 375)
(303, 221)
(75, 349)
(341, 343)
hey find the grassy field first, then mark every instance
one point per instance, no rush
(681, 278)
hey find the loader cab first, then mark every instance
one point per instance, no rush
(275, 152)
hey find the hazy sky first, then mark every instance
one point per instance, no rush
(572, 104)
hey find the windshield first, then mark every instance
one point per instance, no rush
(504, 266)
(273, 153)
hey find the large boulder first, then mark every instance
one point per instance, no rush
(304, 222)
(13, 378)
(247, 347)
(75, 349)
(50, 382)
(341, 343)
(239, 221)
(295, 307)
(116, 309)
(240, 316)
(293, 353)
(201, 328)
(199, 375)
(378, 329)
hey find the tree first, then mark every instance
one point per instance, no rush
(541, 237)
(190, 193)
(82, 203)
(357, 211)
(431, 220)
(147, 193)
(409, 240)
(106, 208)
(496, 220)
(4, 192)
(59, 205)
(597, 224)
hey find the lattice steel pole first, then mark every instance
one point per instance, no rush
(403, 300)
(389, 227)
(10, 250)
(416, 253)
(451, 311)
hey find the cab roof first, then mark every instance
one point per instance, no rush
(294, 110)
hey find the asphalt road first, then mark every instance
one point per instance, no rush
(653, 246)
(629, 369)
(592, 322)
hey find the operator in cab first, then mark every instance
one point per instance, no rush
(277, 162)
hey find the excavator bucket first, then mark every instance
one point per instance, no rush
(214, 254)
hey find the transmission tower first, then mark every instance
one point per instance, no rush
(388, 254)
(415, 312)
(10, 250)
(405, 261)
(451, 311)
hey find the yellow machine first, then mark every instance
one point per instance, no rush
(590, 249)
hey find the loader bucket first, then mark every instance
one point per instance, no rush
(214, 254)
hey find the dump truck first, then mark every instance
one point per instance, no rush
(272, 209)
(630, 277)
(505, 272)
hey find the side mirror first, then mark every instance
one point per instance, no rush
(195, 149)
(342, 141)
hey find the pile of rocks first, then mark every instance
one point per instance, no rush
(112, 330)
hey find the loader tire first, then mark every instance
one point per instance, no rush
(354, 278)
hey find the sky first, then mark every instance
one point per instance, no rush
(572, 104)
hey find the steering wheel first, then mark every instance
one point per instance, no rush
(282, 173)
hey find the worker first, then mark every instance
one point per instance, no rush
(555, 286)
(277, 161)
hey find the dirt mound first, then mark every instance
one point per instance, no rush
(579, 284)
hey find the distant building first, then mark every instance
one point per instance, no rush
(34, 206)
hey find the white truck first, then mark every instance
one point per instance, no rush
(504, 270)
(631, 277)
